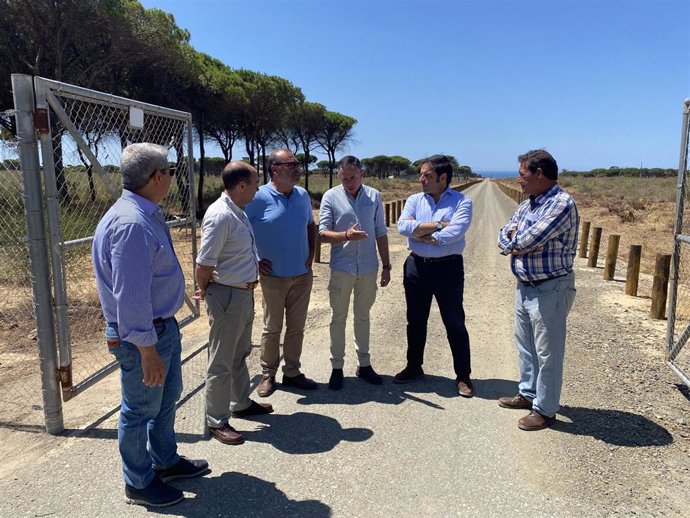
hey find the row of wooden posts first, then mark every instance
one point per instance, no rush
(662, 266)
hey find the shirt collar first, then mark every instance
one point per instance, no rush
(147, 206)
(227, 199)
(535, 201)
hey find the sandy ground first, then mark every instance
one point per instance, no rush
(620, 447)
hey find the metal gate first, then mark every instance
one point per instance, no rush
(82, 133)
(678, 331)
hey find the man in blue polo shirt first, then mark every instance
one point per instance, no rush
(351, 220)
(283, 224)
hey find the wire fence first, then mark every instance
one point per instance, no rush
(20, 384)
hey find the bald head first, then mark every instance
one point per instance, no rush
(236, 172)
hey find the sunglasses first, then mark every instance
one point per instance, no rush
(291, 163)
(171, 171)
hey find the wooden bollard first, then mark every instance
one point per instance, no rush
(594, 247)
(394, 216)
(633, 276)
(584, 238)
(662, 270)
(611, 257)
(400, 207)
(317, 248)
(388, 214)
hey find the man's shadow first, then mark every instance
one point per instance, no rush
(357, 392)
(239, 494)
(303, 433)
(612, 426)
(494, 388)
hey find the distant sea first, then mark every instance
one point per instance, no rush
(497, 174)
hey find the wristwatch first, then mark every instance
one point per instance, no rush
(439, 226)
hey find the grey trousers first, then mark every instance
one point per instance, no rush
(230, 316)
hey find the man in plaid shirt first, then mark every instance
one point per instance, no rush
(541, 239)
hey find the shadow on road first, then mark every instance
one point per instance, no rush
(612, 427)
(494, 388)
(317, 433)
(357, 392)
(238, 494)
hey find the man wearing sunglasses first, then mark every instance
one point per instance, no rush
(283, 223)
(141, 287)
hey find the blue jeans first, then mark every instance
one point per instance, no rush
(145, 432)
(540, 329)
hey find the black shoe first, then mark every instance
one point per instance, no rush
(300, 381)
(336, 381)
(408, 374)
(185, 468)
(156, 494)
(369, 375)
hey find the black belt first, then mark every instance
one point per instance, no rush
(436, 259)
(539, 281)
(157, 321)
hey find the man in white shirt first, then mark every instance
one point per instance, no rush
(227, 272)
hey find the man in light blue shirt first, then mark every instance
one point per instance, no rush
(351, 219)
(283, 223)
(141, 287)
(435, 222)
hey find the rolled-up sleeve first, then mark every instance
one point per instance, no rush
(214, 234)
(380, 219)
(458, 225)
(407, 226)
(326, 213)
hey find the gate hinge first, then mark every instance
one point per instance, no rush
(41, 122)
(65, 378)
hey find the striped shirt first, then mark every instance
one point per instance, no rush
(137, 272)
(549, 223)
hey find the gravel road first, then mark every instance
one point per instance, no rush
(620, 447)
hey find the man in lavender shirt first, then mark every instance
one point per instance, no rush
(141, 287)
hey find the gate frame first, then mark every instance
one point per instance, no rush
(33, 101)
(674, 347)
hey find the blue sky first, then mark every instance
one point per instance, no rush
(596, 82)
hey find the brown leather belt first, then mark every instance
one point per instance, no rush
(248, 286)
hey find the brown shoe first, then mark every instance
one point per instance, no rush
(227, 435)
(517, 402)
(253, 409)
(267, 386)
(535, 421)
(465, 387)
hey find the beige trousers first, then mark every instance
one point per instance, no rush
(340, 288)
(288, 297)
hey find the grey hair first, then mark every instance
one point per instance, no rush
(139, 162)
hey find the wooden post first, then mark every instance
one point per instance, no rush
(584, 238)
(594, 247)
(611, 257)
(394, 216)
(662, 270)
(317, 249)
(633, 276)
(400, 207)
(388, 214)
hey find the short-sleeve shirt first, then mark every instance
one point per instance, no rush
(280, 227)
(227, 244)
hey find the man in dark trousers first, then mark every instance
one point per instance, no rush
(435, 222)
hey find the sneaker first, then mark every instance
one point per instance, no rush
(185, 468)
(300, 381)
(369, 375)
(336, 381)
(156, 494)
(408, 374)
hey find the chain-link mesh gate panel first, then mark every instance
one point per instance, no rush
(678, 352)
(86, 188)
(20, 385)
